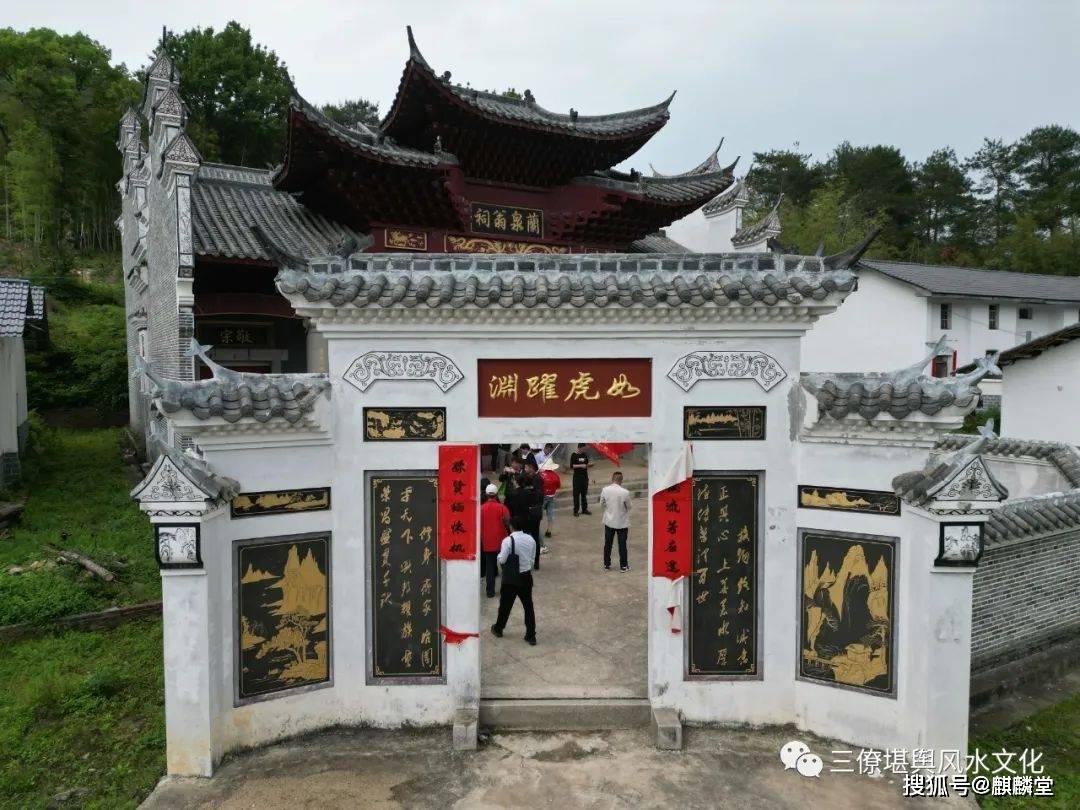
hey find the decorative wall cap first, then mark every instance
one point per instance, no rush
(626, 281)
(182, 152)
(959, 482)
(370, 367)
(234, 395)
(736, 365)
(762, 230)
(897, 393)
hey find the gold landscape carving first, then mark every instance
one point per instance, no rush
(847, 621)
(285, 501)
(849, 500)
(283, 616)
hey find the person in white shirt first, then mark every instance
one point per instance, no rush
(615, 500)
(521, 586)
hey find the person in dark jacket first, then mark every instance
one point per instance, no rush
(527, 502)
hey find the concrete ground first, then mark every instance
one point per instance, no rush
(399, 769)
(604, 656)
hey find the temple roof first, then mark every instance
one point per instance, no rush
(227, 202)
(576, 280)
(509, 139)
(16, 306)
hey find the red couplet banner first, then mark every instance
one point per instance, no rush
(458, 482)
(672, 524)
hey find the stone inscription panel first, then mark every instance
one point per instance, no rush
(723, 589)
(406, 605)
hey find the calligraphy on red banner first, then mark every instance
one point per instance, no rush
(458, 479)
(610, 386)
(672, 523)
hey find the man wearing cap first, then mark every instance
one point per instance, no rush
(494, 526)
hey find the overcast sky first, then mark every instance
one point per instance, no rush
(763, 74)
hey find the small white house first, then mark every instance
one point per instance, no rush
(21, 305)
(1041, 388)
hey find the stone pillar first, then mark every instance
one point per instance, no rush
(193, 609)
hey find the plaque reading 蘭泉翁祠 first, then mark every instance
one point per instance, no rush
(723, 422)
(509, 220)
(406, 608)
(405, 424)
(723, 599)
(283, 614)
(846, 624)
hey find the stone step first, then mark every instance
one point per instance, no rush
(520, 714)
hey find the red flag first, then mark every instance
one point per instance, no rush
(613, 449)
(458, 482)
(672, 522)
(454, 637)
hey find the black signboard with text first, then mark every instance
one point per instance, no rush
(723, 598)
(404, 568)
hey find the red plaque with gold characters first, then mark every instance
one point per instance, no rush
(586, 387)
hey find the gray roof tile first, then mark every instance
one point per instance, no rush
(16, 305)
(227, 201)
(577, 282)
(968, 282)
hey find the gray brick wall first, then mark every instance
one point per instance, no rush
(1024, 596)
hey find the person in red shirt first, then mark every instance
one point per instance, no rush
(494, 527)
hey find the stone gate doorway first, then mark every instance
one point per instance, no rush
(592, 624)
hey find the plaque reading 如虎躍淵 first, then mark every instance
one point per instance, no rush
(846, 621)
(283, 614)
(404, 571)
(610, 386)
(723, 599)
(280, 502)
(405, 424)
(847, 499)
(724, 423)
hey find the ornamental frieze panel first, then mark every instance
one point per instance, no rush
(971, 484)
(403, 239)
(167, 484)
(753, 365)
(469, 244)
(371, 367)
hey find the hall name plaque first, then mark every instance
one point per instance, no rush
(722, 609)
(509, 220)
(560, 387)
(406, 607)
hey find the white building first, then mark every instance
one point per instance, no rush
(1041, 387)
(900, 309)
(22, 307)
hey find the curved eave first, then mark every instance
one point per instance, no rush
(363, 143)
(494, 108)
(677, 191)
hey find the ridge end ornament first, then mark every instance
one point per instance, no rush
(372, 366)
(758, 366)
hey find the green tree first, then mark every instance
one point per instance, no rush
(944, 203)
(784, 171)
(831, 220)
(879, 181)
(60, 99)
(1049, 164)
(996, 185)
(237, 92)
(354, 112)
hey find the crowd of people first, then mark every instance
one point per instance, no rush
(519, 502)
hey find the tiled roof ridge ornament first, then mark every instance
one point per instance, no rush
(278, 254)
(769, 225)
(962, 482)
(190, 479)
(849, 258)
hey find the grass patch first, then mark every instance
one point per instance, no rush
(1055, 731)
(83, 712)
(77, 498)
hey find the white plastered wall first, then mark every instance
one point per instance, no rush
(1041, 396)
